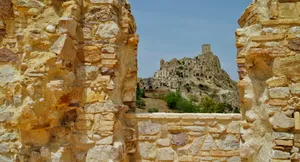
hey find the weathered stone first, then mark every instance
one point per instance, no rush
(234, 159)
(105, 141)
(7, 55)
(36, 136)
(4, 147)
(195, 145)
(287, 66)
(148, 128)
(209, 144)
(99, 107)
(165, 154)
(295, 88)
(283, 135)
(108, 30)
(179, 139)
(228, 142)
(281, 121)
(50, 28)
(6, 10)
(102, 153)
(147, 150)
(163, 142)
(64, 47)
(68, 25)
(295, 44)
(91, 54)
(284, 142)
(276, 154)
(279, 92)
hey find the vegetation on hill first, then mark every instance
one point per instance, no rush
(206, 105)
(140, 93)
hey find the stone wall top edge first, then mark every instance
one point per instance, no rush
(185, 116)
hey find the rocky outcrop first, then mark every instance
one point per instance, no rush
(60, 99)
(268, 59)
(195, 78)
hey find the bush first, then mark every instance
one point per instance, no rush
(186, 106)
(172, 99)
(140, 103)
(150, 110)
(206, 105)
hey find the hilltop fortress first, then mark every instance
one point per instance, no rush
(195, 77)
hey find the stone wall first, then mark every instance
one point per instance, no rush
(68, 69)
(269, 68)
(183, 137)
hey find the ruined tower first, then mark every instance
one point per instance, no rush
(206, 49)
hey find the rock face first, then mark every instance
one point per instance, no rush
(268, 59)
(195, 78)
(63, 66)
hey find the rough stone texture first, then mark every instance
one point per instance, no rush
(60, 99)
(173, 142)
(268, 60)
(195, 77)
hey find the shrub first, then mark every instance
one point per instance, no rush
(140, 103)
(172, 99)
(186, 106)
(150, 110)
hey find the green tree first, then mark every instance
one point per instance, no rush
(172, 99)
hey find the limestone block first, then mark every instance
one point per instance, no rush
(91, 54)
(102, 153)
(8, 56)
(287, 66)
(7, 74)
(284, 142)
(36, 136)
(163, 142)
(234, 159)
(83, 125)
(147, 150)
(297, 120)
(50, 28)
(234, 127)
(165, 154)
(295, 88)
(283, 135)
(67, 25)
(276, 154)
(108, 30)
(105, 141)
(4, 147)
(6, 10)
(209, 144)
(148, 128)
(281, 121)
(179, 139)
(279, 92)
(194, 148)
(87, 72)
(228, 142)
(64, 47)
(100, 107)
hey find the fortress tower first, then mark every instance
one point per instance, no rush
(206, 49)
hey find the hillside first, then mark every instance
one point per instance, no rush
(195, 78)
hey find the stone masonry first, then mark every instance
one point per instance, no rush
(183, 137)
(269, 71)
(68, 69)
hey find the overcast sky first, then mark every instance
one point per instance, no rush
(177, 28)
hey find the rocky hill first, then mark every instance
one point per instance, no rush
(195, 78)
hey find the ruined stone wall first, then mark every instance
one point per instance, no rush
(183, 137)
(269, 68)
(67, 71)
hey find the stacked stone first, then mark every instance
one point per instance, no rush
(66, 70)
(183, 137)
(268, 61)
